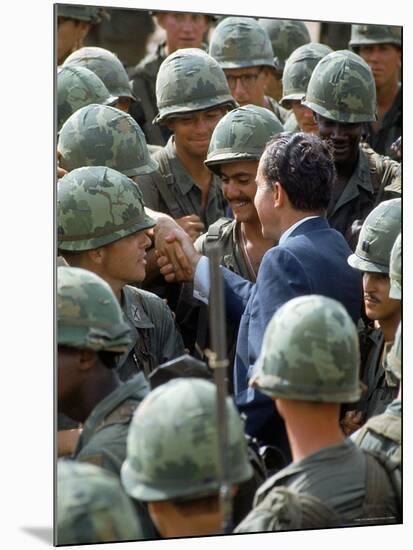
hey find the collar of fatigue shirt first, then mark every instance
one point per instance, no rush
(135, 387)
(360, 178)
(182, 178)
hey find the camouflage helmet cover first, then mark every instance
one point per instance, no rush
(310, 352)
(172, 443)
(88, 313)
(238, 42)
(99, 135)
(366, 35)
(77, 87)
(106, 65)
(377, 237)
(90, 14)
(92, 506)
(97, 206)
(190, 80)
(342, 88)
(242, 135)
(396, 269)
(286, 35)
(298, 69)
(393, 361)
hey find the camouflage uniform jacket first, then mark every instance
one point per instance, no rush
(143, 86)
(103, 438)
(173, 191)
(155, 336)
(375, 178)
(390, 128)
(378, 393)
(383, 432)
(281, 113)
(338, 476)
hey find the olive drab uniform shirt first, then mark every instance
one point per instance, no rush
(383, 432)
(192, 315)
(173, 191)
(143, 84)
(155, 336)
(280, 112)
(350, 481)
(103, 438)
(390, 128)
(381, 387)
(375, 179)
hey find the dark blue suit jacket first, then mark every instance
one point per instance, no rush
(312, 260)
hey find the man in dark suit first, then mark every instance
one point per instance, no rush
(294, 183)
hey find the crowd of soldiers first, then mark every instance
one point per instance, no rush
(242, 134)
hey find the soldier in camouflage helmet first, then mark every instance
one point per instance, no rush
(236, 146)
(296, 75)
(92, 333)
(286, 35)
(73, 25)
(92, 506)
(109, 69)
(383, 432)
(99, 135)
(182, 30)
(380, 47)
(102, 227)
(364, 178)
(243, 49)
(192, 96)
(372, 257)
(76, 88)
(172, 459)
(309, 372)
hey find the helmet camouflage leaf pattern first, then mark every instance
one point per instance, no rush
(190, 80)
(342, 88)
(396, 269)
(367, 35)
(310, 352)
(97, 206)
(99, 135)
(88, 313)
(172, 446)
(377, 237)
(242, 134)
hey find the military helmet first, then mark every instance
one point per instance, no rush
(396, 269)
(366, 35)
(92, 506)
(298, 69)
(106, 65)
(393, 361)
(310, 352)
(242, 135)
(286, 35)
(90, 14)
(238, 42)
(342, 88)
(88, 313)
(77, 87)
(377, 237)
(190, 80)
(172, 445)
(99, 135)
(97, 206)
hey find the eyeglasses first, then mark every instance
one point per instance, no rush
(247, 80)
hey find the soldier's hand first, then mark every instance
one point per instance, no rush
(396, 148)
(61, 172)
(192, 225)
(352, 421)
(177, 257)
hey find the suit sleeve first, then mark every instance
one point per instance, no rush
(237, 292)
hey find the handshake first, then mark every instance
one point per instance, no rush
(177, 257)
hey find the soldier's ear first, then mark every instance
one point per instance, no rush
(97, 255)
(87, 359)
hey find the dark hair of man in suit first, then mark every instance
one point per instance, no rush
(304, 166)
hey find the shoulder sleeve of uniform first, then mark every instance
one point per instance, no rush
(150, 193)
